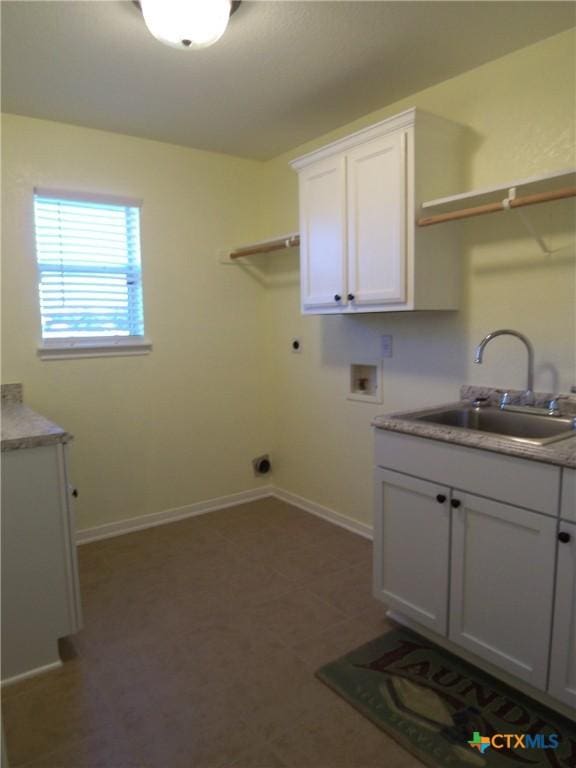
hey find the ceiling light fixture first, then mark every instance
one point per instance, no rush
(187, 24)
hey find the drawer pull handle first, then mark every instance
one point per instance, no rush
(440, 498)
(564, 537)
(337, 297)
(455, 503)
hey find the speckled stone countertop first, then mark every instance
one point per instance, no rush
(561, 453)
(11, 393)
(23, 427)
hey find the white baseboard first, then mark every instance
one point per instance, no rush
(362, 529)
(142, 522)
(132, 524)
(31, 673)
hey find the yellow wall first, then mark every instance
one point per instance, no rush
(520, 112)
(182, 424)
(221, 385)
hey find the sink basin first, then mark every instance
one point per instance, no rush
(525, 427)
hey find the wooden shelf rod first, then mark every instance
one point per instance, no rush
(510, 202)
(270, 245)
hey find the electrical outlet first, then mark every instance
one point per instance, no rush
(386, 346)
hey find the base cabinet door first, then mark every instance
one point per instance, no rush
(411, 554)
(502, 582)
(563, 656)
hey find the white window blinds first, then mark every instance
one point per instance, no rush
(88, 253)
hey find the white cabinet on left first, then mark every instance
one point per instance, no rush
(40, 587)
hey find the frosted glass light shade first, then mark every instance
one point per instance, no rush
(186, 24)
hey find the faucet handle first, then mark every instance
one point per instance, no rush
(505, 399)
(553, 404)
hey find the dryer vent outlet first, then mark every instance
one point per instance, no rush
(262, 465)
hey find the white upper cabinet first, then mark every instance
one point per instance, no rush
(359, 198)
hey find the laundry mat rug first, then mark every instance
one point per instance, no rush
(447, 712)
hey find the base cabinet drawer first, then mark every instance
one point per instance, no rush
(520, 482)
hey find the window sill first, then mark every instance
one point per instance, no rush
(61, 349)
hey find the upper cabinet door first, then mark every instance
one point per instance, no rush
(323, 234)
(377, 221)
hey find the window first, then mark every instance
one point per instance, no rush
(90, 280)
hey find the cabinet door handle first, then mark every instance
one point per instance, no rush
(350, 297)
(455, 503)
(75, 492)
(440, 498)
(337, 297)
(564, 537)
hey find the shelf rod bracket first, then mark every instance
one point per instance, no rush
(525, 219)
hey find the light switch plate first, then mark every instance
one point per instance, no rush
(386, 347)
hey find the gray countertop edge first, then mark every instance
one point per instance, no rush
(35, 441)
(24, 428)
(561, 453)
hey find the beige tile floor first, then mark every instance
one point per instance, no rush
(199, 649)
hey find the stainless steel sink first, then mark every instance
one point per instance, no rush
(525, 427)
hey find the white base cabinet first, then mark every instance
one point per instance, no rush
(492, 576)
(40, 587)
(360, 250)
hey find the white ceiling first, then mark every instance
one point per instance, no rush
(285, 71)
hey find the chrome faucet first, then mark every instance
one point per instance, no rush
(529, 391)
